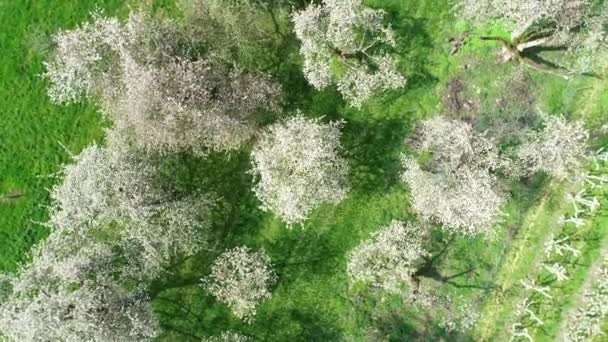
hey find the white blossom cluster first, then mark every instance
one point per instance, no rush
(104, 184)
(116, 185)
(589, 47)
(177, 229)
(71, 292)
(110, 227)
(347, 33)
(241, 278)
(197, 106)
(86, 61)
(456, 187)
(389, 259)
(559, 149)
(81, 58)
(454, 314)
(297, 165)
(460, 317)
(239, 28)
(91, 313)
(145, 83)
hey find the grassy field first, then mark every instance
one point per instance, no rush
(32, 130)
(312, 300)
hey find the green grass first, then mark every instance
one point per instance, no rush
(36, 136)
(312, 300)
(32, 130)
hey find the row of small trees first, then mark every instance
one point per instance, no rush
(586, 322)
(561, 254)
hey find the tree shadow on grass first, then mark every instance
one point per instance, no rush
(374, 148)
(295, 325)
(414, 48)
(226, 178)
(191, 314)
(303, 253)
(392, 320)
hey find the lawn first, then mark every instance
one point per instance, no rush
(312, 300)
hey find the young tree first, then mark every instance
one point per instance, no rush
(519, 15)
(170, 97)
(559, 149)
(586, 322)
(347, 43)
(456, 186)
(241, 278)
(390, 258)
(228, 336)
(298, 167)
(576, 26)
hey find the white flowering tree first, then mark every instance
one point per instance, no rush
(347, 43)
(197, 106)
(456, 187)
(241, 278)
(297, 165)
(558, 149)
(390, 258)
(243, 30)
(149, 84)
(72, 290)
(104, 184)
(118, 185)
(91, 312)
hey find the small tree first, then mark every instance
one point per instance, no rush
(521, 14)
(559, 149)
(577, 26)
(390, 258)
(455, 186)
(228, 336)
(241, 279)
(347, 43)
(298, 167)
